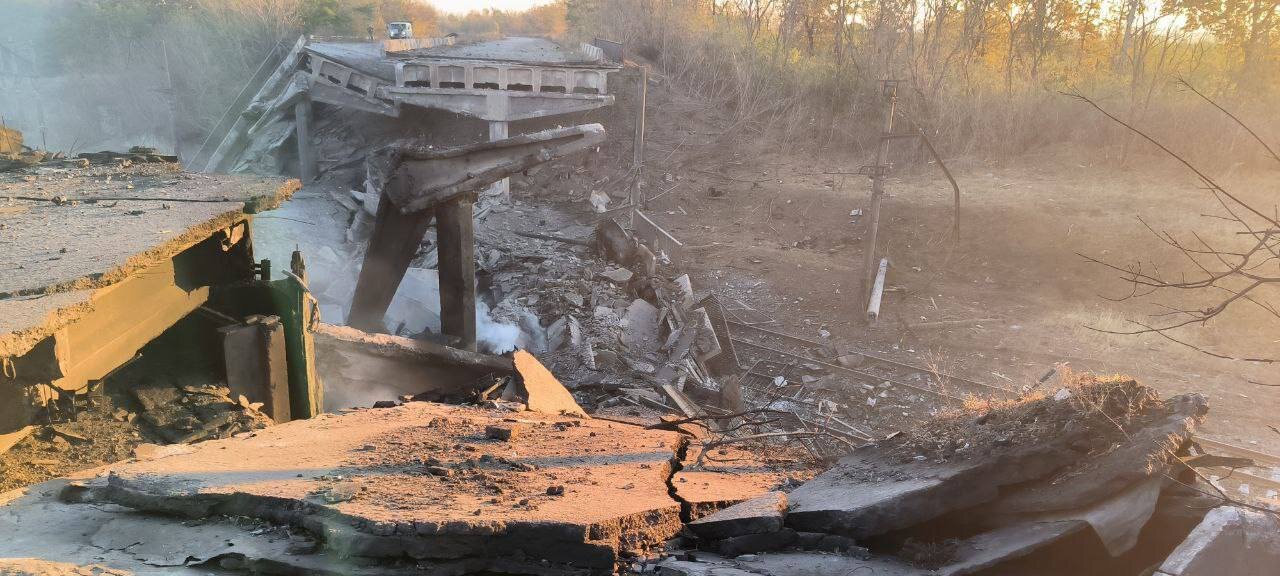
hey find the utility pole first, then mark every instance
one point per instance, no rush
(636, 199)
(878, 172)
(173, 102)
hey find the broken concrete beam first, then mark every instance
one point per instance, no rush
(440, 175)
(538, 389)
(864, 495)
(360, 367)
(1230, 540)
(362, 483)
(10, 439)
(761, 514)
(389, 346)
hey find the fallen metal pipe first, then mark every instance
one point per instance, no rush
(877, 292)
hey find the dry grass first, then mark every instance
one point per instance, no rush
(1107, 404)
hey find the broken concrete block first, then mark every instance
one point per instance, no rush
(617, 275)
(752, 543)
(685, 287)
(763, 513)
(539, 389)
(640, 327)
(1230, 540)
(705, 345)
(504, 432)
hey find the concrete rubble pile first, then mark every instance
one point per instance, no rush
(24, 157)
(1087, 482)
(1092, 481)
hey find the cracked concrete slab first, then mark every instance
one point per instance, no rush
(733, 475)
(762, 514)
(108, 539)
(424, 482)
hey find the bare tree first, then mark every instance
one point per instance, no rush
(1230, 273)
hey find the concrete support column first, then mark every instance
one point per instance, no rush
(501, 188)
(455, 234)
(306, 153)
(392, 246)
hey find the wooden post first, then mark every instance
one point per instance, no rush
(877, 292)
(456, 235)
(297, 309)
(306, 154)
(889, 90)
(393, 244)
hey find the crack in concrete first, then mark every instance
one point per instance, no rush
(677, 464)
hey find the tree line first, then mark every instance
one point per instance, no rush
(983, 75)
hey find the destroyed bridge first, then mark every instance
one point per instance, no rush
(390, 365)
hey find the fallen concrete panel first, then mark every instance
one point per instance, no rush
(907, 480)
(868, 495)
(540, 390)
(1230, 540)
(360, 368)
(990, 549)
(423, 481)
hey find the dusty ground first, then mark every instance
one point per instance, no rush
(98, 434)
(773, 228)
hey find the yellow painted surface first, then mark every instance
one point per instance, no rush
(10, 141)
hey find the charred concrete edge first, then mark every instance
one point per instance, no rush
(21, 341)
(592, 549)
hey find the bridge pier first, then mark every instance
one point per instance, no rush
(306, 150)
(423, 184)
(455, 233)
(498, 131)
